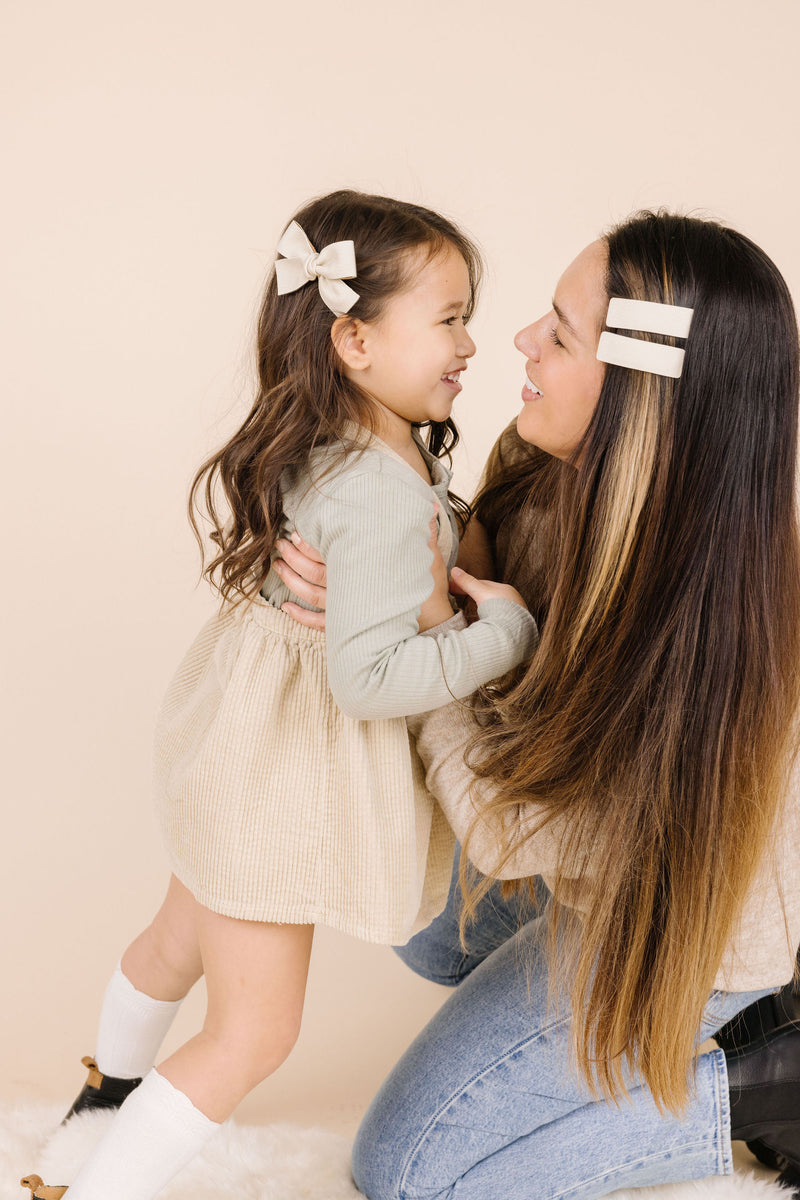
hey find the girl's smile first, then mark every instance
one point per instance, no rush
(411, 359)
(452, 380)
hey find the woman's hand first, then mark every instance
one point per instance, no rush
(303, 571)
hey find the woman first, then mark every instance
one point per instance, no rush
(640, 764)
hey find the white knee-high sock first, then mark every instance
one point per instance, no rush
(132, 1027)
(156, 1132)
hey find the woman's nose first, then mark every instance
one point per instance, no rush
(527, 341)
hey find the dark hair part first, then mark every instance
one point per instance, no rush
(657, 723)
(304, 399)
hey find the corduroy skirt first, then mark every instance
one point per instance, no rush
(274, 806)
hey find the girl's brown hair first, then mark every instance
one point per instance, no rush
(656, 723)
(304, 399)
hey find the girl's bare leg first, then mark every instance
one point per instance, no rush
(256, 976)
(143, 997)
(164, 961)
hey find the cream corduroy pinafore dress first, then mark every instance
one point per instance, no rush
(274, 805)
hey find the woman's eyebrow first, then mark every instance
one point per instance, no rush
(565, 321)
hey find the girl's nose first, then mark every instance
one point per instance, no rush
(468, 347)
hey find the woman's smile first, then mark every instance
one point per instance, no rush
(530, 391)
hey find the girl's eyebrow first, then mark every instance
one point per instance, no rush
(456, 306)
(565, 321)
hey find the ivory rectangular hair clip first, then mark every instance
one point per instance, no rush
(644, 316)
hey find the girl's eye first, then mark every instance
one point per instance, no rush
(451, 320)
(555, 338)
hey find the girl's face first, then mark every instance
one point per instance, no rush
(563, 376)
(417, 349)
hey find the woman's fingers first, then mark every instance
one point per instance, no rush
(303, 559)
(303, 575)
(304, 616)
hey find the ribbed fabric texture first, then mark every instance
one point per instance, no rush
(284, 797)
(369, 517)
(156, 1132)
(277, 807)
(132, 1028)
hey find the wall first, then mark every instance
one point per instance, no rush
(152, 154)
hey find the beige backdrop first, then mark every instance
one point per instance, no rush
(152, 152)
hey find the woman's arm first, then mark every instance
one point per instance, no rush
(442, 737)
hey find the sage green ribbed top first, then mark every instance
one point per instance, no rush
(368, 514)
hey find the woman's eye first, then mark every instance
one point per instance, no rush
(555, 338)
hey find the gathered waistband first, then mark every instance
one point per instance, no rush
(272, 620)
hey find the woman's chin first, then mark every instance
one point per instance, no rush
(526, 426)
(531, 429)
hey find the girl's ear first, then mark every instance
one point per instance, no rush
(347, 335)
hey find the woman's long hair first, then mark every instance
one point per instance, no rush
(304, 399)
(657, 720)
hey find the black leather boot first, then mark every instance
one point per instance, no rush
(756, 1025)
(764, 1082)
(101, 1091)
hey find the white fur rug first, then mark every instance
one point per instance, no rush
(251, 1162)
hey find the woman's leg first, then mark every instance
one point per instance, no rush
(255, 977)
(487, 1102)
(436, 952)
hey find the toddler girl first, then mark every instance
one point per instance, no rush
(287, 790)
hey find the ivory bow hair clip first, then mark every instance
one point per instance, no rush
(644, 316)
(301, 264)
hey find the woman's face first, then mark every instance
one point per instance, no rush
(563, 376)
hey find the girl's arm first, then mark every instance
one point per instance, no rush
(441, 736)
(373, 538)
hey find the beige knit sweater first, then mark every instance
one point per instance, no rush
(761, 954)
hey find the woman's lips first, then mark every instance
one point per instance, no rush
(530, 391)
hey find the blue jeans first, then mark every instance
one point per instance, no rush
(486, 1103)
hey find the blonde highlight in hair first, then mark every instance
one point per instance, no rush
(655, 728)
(632, 463)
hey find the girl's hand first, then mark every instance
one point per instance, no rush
(437, 608)
(483, 589)
(303, 571)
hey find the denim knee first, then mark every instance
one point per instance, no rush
(440, 963)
